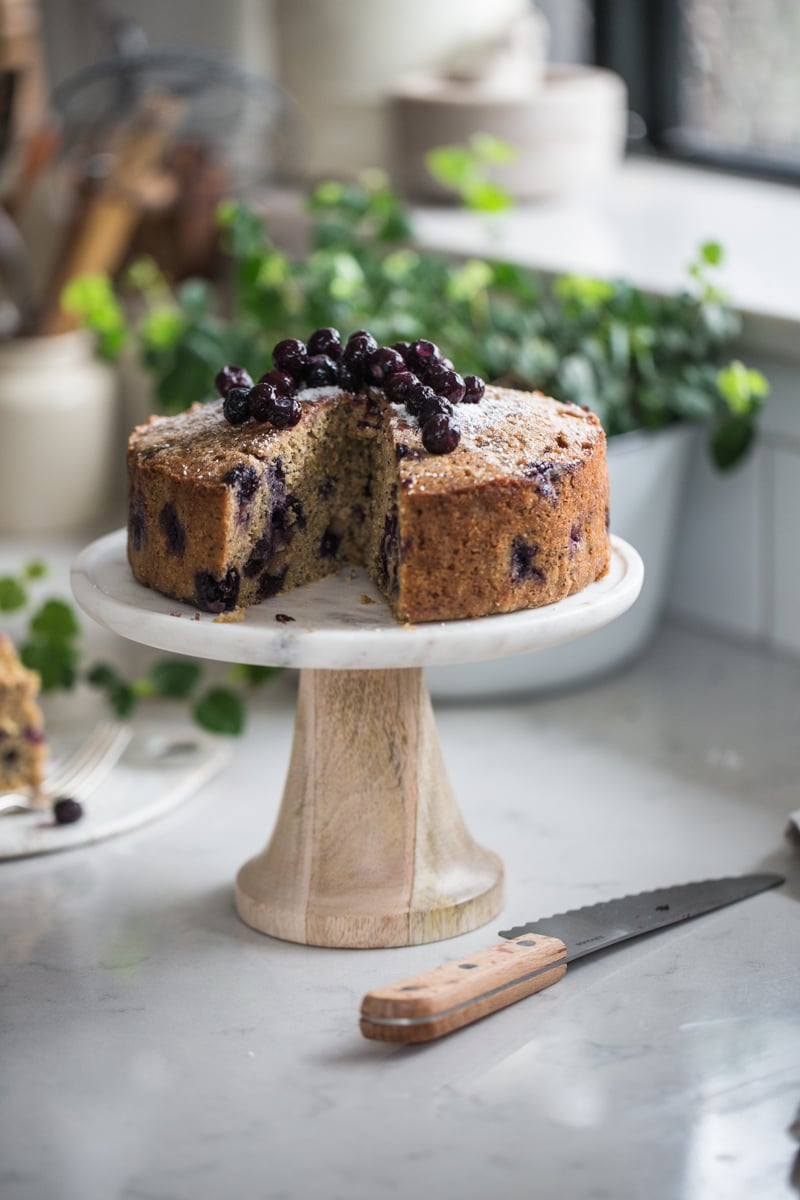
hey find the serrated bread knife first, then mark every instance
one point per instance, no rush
(535, 955)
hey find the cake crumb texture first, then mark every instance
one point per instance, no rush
(23, 748)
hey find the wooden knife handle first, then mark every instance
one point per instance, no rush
(424, 1007)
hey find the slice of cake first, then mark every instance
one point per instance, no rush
(22, 742)
(459, 500)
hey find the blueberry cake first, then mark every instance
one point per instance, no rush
(22, 742)
(460, 500)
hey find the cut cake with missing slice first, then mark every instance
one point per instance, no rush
(223, 516)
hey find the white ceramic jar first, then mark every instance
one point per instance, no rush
(59, 468)
(568, 134)
(340, 58)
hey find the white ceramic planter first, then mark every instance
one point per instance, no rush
(58, 436)
(647, 473)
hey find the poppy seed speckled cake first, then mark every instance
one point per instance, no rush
(459, 500)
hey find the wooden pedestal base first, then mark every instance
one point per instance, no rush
(369, 848)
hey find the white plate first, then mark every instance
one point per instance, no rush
(331, 626)
(145, 784)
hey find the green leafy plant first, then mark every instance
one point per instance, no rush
(639, 361)
(51, 645)
(463, 170)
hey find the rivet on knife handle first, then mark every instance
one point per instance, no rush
(425, 1006)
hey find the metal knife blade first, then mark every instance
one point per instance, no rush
(595, 926)
(535, 955)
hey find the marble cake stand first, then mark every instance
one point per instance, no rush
(369, 847)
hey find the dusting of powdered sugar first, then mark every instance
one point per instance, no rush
(500, 411)
(313, 394)
(508, 433)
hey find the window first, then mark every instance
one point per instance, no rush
(711, 81)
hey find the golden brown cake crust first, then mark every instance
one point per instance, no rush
(515, 517)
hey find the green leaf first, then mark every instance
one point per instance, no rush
(455, 165)
(56, 662)
(12, 594)
(395, 226)
(273, 270)
(36, 569)
(490, 149)
(327, 194)
(711, 253)
(468, 281)
(174, 678)
(482, 195)
(226, 213)
(462, 170)
(145, 275)
(142, 689)
(346, 277)
(451, 166)
(583, 291)
(220, 711)
(88, 294)
(102, 675)
(519, 281)
(194, 297)
(399, 265)
(731, 441)
(742, 388)
(162, 328)
(243, 229)
(252, 674)
(55, 621)
(122, 698)
(91, 299)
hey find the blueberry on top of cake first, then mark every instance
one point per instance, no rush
(459, 499)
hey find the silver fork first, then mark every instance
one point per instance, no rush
(81, 772)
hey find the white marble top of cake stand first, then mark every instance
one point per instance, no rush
(338, 623)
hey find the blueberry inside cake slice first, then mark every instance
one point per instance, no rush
(460, 500)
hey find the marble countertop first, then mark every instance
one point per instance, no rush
(153, 1046)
